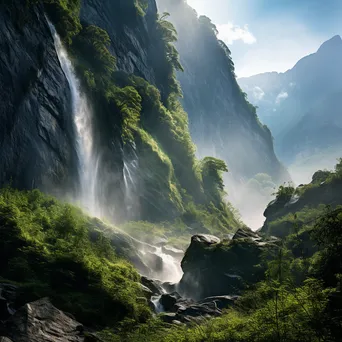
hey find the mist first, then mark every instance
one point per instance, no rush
(305, 165)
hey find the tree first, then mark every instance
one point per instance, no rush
(212, 169)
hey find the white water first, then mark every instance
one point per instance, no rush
(171, 271)
(131, 165)
(89, 164)
(158, 307)
(82, 115)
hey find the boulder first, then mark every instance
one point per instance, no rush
(221, 302)
(147, 292)
(205, 239)
(155, 286)
(168, 301)
(169, 317)
(5, 339)
(40, 321)
(169, 287)
(217, 268)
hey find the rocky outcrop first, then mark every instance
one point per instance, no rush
(36, 131)
(309, 197)
(40, 321)
(214, 268)
(133, 37)
(188, 311)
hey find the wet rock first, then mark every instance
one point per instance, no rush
(153, 285)
(40, 321)
(168, 301)
(221, 302)
(169, 287)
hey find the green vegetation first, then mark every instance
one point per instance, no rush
(299, 300)
(51, 249)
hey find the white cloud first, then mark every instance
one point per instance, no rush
(230, 32)
(258, 93)
(282, 96)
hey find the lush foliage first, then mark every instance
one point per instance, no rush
(212, 170)
(52, 249)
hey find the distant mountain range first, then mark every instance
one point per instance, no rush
(303, 106)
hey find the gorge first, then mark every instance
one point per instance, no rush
(102, 107)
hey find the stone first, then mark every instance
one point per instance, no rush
(147, 292)
(5, 339)
(205, 239)
(221, 302)
(153, 285)
(168, 317)
(168, 301)
(40, 321)
(219, 269)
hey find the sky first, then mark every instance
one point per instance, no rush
(272, 35)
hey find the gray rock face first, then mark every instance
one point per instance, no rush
(36, 131)
(131, 41)
(205, 239)
(220, 120)
(40, 321)
(222, 268)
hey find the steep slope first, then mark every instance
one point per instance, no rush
(123, 61)
(36, 132)
(222, 122)
(301, 102)
(297, 208)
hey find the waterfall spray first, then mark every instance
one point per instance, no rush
(82, 115)
(130, 161)
(89, 163)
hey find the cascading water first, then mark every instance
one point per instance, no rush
(170, 270)
(82, 115)
(131, 165)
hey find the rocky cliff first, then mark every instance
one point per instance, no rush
(222, 122)
(123, 55)
(36, 132)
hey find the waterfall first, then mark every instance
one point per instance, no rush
(130, 161)
(82, 115)
(170, 269)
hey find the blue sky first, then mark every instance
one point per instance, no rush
(272, 35)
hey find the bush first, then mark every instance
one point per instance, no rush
(45, 246)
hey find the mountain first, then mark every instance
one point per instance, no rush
(221, 120)
(90, 113)
(302, 106)
(118, 62)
